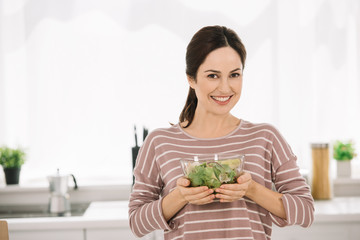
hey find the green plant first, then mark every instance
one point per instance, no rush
(11, 158)
(343, 151)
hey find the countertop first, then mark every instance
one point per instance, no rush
(114, 214)
(341, 209)
(109, 214)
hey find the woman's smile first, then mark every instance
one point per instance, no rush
(222, 100)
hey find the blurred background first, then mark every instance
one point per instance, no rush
(77, 75)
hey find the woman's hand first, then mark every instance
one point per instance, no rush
(232, 192)
(195, 195)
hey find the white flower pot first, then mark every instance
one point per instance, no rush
(343, 169)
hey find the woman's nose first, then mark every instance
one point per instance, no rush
(224, 85)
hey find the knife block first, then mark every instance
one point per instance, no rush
(135, 151)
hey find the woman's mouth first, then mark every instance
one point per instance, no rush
(222, 100)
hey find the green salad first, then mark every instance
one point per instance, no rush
(213, 174)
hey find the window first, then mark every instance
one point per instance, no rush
(76, 76)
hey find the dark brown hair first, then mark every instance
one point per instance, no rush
(203, 42)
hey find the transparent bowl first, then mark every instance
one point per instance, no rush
(213, 170)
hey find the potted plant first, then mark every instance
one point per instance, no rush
(11, 160)
(343, 152)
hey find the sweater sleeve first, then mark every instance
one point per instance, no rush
(145, 211)
(297, 199)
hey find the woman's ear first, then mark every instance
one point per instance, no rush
(191, 81)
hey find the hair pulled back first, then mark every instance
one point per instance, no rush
(202, 43)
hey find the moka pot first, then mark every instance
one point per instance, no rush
(59, 202)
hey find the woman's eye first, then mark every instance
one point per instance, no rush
(212, 76)
(235, 75)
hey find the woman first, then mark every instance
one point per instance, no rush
(161, 196)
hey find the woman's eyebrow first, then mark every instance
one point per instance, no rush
(216, 71)
(210, 70)
(236, 69)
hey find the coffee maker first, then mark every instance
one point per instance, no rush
(59, 202)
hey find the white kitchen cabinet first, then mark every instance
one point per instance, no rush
(73, 234)
(338, 218)
(319, 231)
(108, 234)
(114, 234)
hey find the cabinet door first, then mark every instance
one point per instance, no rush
(114, 234)
(76, 234)
(328, 231)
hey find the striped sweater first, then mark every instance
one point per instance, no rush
(269, 160)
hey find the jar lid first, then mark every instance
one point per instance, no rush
(319, 145)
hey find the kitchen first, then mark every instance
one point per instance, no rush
(75, 77)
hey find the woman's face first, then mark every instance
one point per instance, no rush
(218, 82)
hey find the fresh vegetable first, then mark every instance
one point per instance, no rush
(213, 174)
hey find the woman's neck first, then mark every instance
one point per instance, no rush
(211, 126)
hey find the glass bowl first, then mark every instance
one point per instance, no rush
(212, 170)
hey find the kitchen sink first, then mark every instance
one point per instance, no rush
(36, 211)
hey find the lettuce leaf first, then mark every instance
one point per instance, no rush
(212, 174)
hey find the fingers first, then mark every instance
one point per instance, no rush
(244, 178)
(203, 197)
(183, 182)
(232, 192)
(194, 195)
(227, 195)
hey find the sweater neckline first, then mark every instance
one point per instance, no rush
(209, 139)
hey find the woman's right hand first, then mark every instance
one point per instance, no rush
(195, 195)
(182, 195)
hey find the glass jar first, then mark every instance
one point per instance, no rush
(320, 188)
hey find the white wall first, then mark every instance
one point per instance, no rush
(75, 76)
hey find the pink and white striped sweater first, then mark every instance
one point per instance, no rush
(268, 158)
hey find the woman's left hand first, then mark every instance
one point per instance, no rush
(232, 192)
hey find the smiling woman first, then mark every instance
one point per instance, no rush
(162, 198)
(217, 91)
(196, 53)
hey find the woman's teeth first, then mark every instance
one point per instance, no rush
(221, 99)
